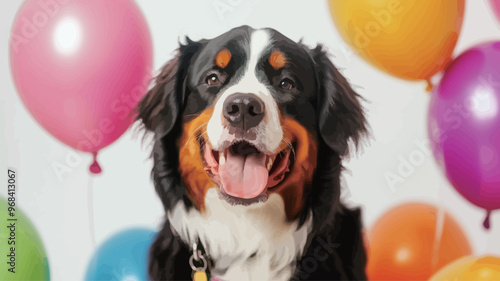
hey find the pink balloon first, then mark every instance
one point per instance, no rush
(464, 125)
(495, 5)
(81, 66)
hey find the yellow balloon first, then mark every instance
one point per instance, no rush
(411, 39)
(470, 268)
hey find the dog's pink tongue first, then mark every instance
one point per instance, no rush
(243, 176)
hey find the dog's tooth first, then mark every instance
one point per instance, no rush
(222, 159)
(269, 163)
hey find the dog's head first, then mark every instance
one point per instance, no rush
(250, 112)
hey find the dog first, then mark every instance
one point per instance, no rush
(250, 129)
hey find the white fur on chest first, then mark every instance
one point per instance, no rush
(231, 234)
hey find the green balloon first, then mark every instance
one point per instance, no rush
(22, 258)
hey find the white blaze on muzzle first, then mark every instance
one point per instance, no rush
(246, 175)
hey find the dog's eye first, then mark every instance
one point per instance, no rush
(212, 80)
(287, 84)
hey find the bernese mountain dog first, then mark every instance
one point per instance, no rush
(250, 129)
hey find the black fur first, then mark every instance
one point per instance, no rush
(160, 112)
(340, 117)
(338, 120)
(339, 108)
(335, 254)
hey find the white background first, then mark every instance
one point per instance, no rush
(124, 195)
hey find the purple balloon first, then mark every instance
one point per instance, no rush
(464, 125)
(495, 5)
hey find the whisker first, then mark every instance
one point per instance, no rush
(289, 144)
(200, 138)
(202, 134)
(194, 132)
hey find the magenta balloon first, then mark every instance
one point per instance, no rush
(495, 5)
(464, 124)
(81, 66)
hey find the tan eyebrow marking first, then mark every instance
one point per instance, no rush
(277, 59)
(223, 58)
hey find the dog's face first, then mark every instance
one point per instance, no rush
(250, 110)
(247, 80)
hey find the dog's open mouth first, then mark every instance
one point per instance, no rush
(243, 172)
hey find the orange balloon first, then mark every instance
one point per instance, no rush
(408, 38)
(402, 243)
(470, 268)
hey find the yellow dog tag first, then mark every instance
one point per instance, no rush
(199, 273)
(200, 276)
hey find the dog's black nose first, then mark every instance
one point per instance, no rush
(243, 110)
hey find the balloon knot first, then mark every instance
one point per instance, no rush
(95, 168)
(486, 222)
(430, 87)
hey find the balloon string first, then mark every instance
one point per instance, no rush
(90, 200)
(486, 222)
(430, 87)
(95, 168)
(438, 235)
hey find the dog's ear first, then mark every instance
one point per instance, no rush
(162, 106)
(340, 116)
(160, 112)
